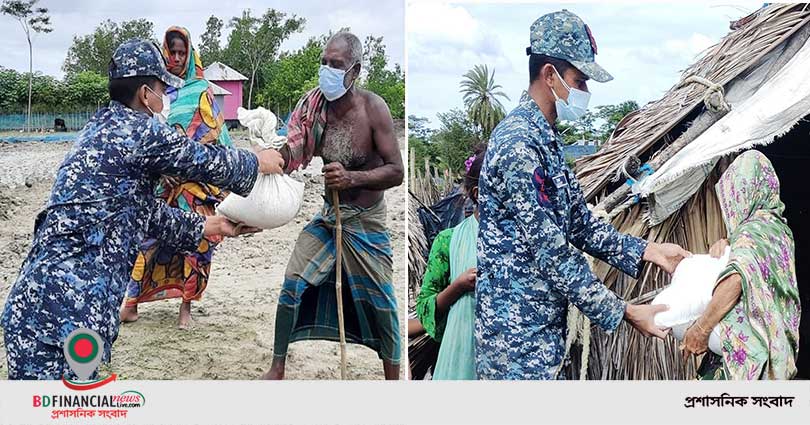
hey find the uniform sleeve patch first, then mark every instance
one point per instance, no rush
(539, 181)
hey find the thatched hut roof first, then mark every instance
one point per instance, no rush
(657, 122)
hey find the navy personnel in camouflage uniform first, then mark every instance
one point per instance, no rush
(101, 206)
(534, 220)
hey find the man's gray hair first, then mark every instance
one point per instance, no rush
(354, 44)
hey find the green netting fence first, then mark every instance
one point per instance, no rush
(45, 121)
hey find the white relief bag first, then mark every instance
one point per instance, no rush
(689, 295)
(275, 198)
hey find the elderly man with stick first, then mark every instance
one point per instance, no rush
(346, 246)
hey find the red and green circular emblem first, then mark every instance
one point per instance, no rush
(83, 348)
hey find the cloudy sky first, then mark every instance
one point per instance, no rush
(643, 45)
(78, 17)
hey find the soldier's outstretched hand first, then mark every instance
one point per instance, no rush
(642, 317)
(270, 161)
(665, 255)
(217, 225)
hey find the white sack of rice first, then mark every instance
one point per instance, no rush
(689, 295)
(275, 198)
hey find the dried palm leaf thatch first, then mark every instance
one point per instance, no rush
(658, 122)
(422, 354)
(417, 247)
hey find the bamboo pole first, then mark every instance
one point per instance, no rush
(412, 167)
(339, 281)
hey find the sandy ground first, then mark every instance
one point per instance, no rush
(232, 335)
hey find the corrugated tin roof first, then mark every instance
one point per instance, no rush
(218, 90)
(218, 71)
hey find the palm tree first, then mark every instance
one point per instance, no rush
(481, 99)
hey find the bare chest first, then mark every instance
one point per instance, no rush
(348, 140)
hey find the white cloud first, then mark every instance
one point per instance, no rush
(444, 21)
(690, 47)
(645, 46)
(444, 42)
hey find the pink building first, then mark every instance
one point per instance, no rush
(227, 87)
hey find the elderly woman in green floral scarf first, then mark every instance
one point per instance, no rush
(756, 299)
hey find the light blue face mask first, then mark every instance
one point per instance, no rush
(330, 81)
(163, 115)
(575, 106)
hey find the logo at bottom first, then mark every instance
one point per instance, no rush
(83, 350)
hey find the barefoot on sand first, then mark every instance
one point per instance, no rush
(276, 372)
(184, 321)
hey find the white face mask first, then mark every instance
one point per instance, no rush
(575, 106)
(163, 115)
(330, 81)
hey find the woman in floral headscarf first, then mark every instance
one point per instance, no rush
(756, 299)
(160, 272)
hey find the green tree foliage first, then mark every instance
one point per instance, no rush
(81, 91)
(481, 95)
(388, 84)
(419, 140)
(611, 115)
(210, 50)
(10, 82)
(32, 19)
(580, 130)
(454, 141)
(86, 89)
(92, 52)
(607, 116)
(47, 90)
(279, 81)
(253, 42)
(290, 77)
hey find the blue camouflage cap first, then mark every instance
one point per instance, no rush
(141, 58)
(563, 35)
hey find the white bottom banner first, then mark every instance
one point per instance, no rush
(313, 402)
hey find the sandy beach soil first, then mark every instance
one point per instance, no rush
(232, 334)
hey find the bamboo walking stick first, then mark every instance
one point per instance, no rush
(339, 281)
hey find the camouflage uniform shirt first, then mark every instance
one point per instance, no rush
(101, 206)
(533, 217)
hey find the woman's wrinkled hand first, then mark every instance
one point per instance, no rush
(718, 248)
(695, 341)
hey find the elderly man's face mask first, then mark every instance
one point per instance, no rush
(331, 82)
